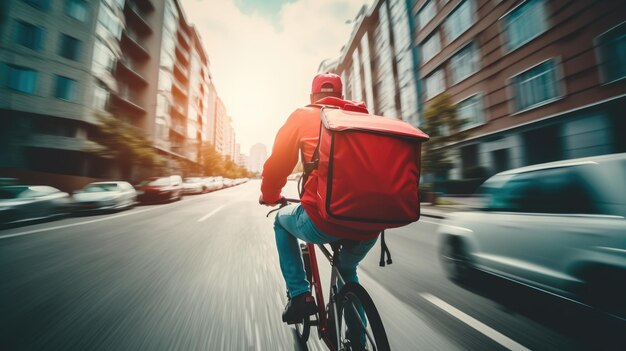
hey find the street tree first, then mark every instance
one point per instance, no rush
(212, 161)
(443, 125)
(124, 144)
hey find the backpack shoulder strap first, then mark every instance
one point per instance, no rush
(313, 163)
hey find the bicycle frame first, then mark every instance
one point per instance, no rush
(322, 323)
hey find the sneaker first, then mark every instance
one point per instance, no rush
(298, 308)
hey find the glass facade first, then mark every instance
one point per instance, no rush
(65, 89)
(435, 84)
(431, 47)
(464, 63)
(29, 35)
(21, 79)
(77, 9)
(100, 98)
(103, 58)
(611, 47)
(403, 52)
(69, 48)
(536, 86)
(165, 102)
(357, 89)
(110, 21)
(470, 111)
(367, 73)
(459, 20)
(426, 13)
(524, 23)
(384, 80)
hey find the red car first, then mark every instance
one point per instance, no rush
(158, 189)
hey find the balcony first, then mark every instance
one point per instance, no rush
(179, 128)
(182, 55)
(183, 39)
(126, 101)
(181, 73)
(177, 112)
(131, 42)
(179, 90)
(136, 17)
(126, 68)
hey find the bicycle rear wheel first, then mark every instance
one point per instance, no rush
(359, 322)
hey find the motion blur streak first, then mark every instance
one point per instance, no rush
(157, 279)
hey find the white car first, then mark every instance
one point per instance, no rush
(105, 196)
(194, 185)
(26, 203)
(213, 183)
(558, 227)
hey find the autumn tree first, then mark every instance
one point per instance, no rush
(212, 161)
(124, 144)
(443, 125)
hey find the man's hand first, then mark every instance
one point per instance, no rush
(263, 202)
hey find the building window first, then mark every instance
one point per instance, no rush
(470, 111)
(459, 20)
(40, 4)
(535, 86)
(435, 84)
(431, 47)
(100, 98)
(77, 9)
(22, 79)
(65, 89)
(524, 23)
(70, 47)
(611, 47)
(103, 57)
(426, 13)
(464, 63)
(110, 21)
(29, 35)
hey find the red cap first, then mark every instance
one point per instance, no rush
(326, 83)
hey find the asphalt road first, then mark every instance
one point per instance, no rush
(202, 274)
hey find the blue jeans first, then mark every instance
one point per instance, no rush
(293, 223)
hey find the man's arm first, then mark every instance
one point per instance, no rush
(282, 161)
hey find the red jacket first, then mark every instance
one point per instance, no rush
(300, 135)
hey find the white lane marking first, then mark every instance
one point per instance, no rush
(75, 224)
(477, 325)
(210, 213)
(427, 221)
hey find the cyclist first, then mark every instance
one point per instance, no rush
(299, 135)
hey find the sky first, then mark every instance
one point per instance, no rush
(265, 53)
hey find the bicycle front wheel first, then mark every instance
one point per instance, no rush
(360, 325)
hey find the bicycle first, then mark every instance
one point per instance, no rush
(335, 320)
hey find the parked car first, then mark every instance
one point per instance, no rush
(194, 185)
(558, 227)
(213, 183)
(105, 196)
(160, 189)
(23, 203)
(228, 182)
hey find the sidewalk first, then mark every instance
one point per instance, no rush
(448, 205)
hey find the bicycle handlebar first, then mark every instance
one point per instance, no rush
(282, 202)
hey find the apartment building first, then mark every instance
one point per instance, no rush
(534, 80)
(62, 63)
(378, 64)
(258, 156)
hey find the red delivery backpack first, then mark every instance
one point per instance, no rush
(366, 169)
